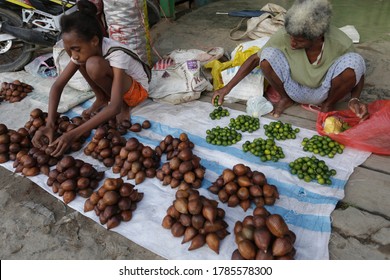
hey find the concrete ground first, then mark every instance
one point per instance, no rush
(35, 225)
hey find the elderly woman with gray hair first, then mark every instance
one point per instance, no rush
(308, 61)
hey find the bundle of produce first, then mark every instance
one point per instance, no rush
(311, 168)
(280, 131)
(136, 161)
(183, 166)
(14, 91)
(4, 143)
(242, 186)
(33, 162)
(63, 124)
(245, 123)
(222, 136)
(105, 145)
(263, 236)
(114, 202)
(196, 218)
(12, 142)
(322, 145)
(135, 127)
(124, 126)
(73, 177)
(266, 149)
(219, 113)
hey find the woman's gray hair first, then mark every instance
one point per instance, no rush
(308, 18)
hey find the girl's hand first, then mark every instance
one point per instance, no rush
(221, 93)
(62, 144)
(43, 136)
(359, 108)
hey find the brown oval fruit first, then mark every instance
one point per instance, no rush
(240, 169)
(276, 225)
(110, 198)
(146, 124)
(281, 246)
(177, 229)
(135, 127)
(262, 238)
(247, 249)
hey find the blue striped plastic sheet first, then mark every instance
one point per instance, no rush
(306, 207)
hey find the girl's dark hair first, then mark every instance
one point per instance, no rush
(84, 22)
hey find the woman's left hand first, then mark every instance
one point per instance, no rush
(359, 108)
(62, 144)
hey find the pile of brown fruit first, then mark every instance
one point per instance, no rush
(63, 124)
(126, 125)
(37, 119)
(33, 162)
(263, 236)
(241, 186)
(73, 177)
(4, 143)
(135, 127)
(105, 145)
(136, 161)
(196, 218)
(183, 166)
(12, 142)
(14, 91)
(114, 202)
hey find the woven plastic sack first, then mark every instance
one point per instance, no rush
(372, 135)
(127, 23)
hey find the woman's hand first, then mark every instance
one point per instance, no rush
(43, 136)
(221, 93)
(360, 109)
(62, 144)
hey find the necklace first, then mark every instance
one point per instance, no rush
(319, 55)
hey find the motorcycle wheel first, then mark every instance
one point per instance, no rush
(14, 54)
(153, 12)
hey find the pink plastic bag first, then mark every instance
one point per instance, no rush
(372, 135)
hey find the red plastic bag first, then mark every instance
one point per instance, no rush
(372, 135)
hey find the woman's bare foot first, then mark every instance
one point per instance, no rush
(282, 105)
(326, 107)
(95, 108)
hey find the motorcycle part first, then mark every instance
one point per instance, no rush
(14, 53)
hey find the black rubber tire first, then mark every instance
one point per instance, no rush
(18, 56)
(153, 13)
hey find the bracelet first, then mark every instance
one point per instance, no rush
(354, 98)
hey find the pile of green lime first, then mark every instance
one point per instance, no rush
(245, 123)
(280, 131)
(222, 136)
(311, 168)
(219, 113)
(266, 149)
(322, 145)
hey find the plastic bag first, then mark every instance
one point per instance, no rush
(252, 85)
(258, 106)
(248, 44)
(241, 56)
(217, 67)
(42, 66)
(372, 135)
